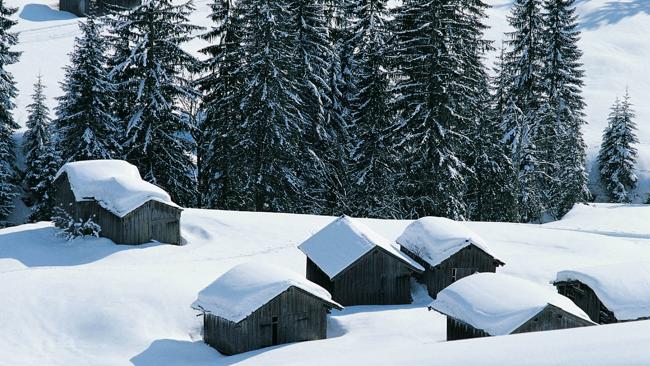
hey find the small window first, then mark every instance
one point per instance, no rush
(454, 273)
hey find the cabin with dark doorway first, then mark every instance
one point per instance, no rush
(128, 209)
(447, 250)
(81, 7)
(609, 293)
(357, 265)
(490, 304)
(256, 305)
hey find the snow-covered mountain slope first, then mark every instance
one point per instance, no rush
(90, 302)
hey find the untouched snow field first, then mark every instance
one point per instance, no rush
(90, 302)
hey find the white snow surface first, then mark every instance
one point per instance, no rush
(345, 240)
(608, 219)
(115, 184)
(248, 286)
(498, 303)
(624, 288)
(91, 302)
(435, 239)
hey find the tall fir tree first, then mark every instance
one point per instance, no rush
(374, 162)
(520, 121)
(157, 139)
(221, 87)
(7, 124)
(311, 56)
(267, 149)
(85, 125)
(617, 156)
(438, 46)
(562, 111)
(492, 189)
(41, 159)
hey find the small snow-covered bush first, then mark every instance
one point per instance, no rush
(71, 228)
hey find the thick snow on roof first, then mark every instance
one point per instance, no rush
(437, 238)
(342, 242)
(248, 286)
(623, 288)
(115, 184)
(498, 303)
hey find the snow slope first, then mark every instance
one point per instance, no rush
(89, 302)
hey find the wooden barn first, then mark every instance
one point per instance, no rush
(447, 250)
(609, 293)
(358, 266)
(80, 7)
(128, 209)
(491, 304)
(256, 305)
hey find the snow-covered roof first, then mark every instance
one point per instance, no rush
(435, 239)
(497, 303)
(246, 287)
(623, 288)
(339, 244)
(115, 184)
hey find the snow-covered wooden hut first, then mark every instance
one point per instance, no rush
(609, 293)
(80, 7)
(357, 265)
(491, 304)
(128, 209)
(447, 250)
(256, 305)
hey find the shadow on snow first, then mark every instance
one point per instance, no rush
(43, 13)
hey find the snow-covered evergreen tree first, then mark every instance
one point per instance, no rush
(562, 146)
(7, 124)
(492, 190)
(85, 125)
(41, 160)
(438, 46)
(374, 162)
(267, 150)
(221, 87)
(157, 135)
(617, 156)
(520, 120)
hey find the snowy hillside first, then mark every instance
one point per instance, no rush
(90, 302)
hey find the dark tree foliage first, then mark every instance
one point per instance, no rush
(617, 156)
(85, 125)
(7, 124)
(41, 159)
(153, 79)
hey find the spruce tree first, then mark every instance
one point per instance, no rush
(520, 120)
(85, 125)
(561, 115)
(492, 189)
(7, 124)
(156, 133)
(269, 139)
(41, 160)
(374, 162)
(221, 87)
(617, 156)
(438, 47)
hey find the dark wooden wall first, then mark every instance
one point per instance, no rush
(457, 329)
(80, 7)
(586, 299)
(377, 278)
(151, 221)
(317, 276)
(467, 261)
(299, 316)
(552, 318)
